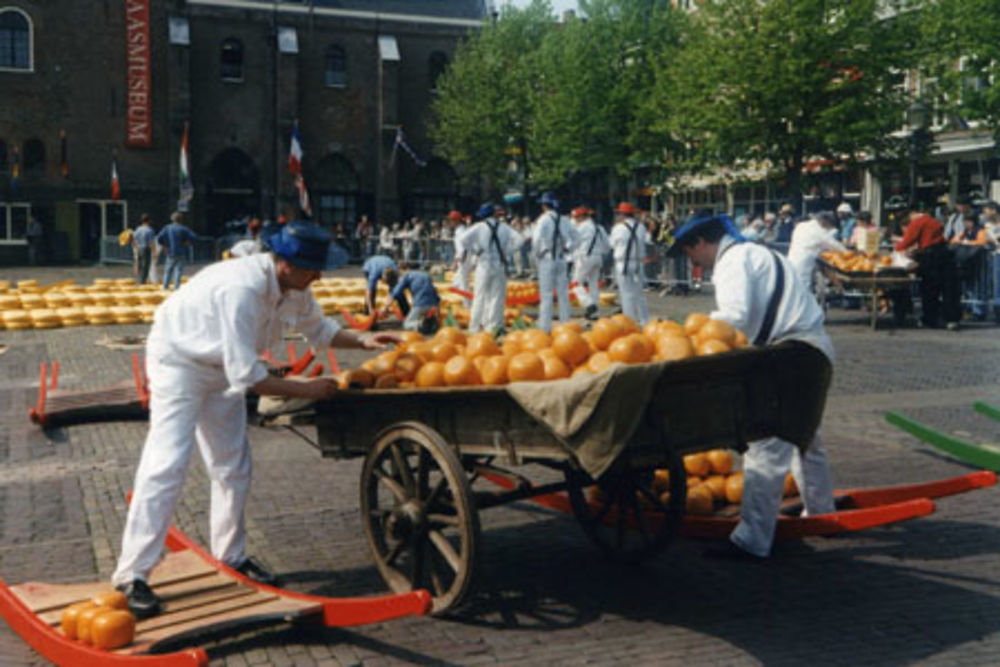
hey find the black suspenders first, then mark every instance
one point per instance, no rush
(593, 241)
(632, 240)
(495, 240)
(772, 305)
(556, 237)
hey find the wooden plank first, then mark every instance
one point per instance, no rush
(179, 595)
(175, 567)
(260, 606)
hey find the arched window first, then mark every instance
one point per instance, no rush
(33, 157)
(231, 60)
(335, 72)
(436, 66)
(15, 40)
(3, 156)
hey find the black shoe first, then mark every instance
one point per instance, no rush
(591, 313)
(142, 601)
(254, 571)
(729, 551)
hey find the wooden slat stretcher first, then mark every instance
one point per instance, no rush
(858, 509)
(201, 595)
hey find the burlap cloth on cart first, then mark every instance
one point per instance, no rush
(595, 415)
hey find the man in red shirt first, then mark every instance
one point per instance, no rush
(939, 290)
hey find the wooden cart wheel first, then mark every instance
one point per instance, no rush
(625, 514)
(419, 514)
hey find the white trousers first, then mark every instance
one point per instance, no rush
(461, 280)
(632, 297)
(188, 404)
(489, 298)
(765, 465)
(552, 274)
(415, 318)
(587, 276)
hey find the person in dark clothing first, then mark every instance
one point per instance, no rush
(939, 288)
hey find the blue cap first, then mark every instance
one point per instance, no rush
(699, 219)
(303, 244)
(549, 199)
(486, 210)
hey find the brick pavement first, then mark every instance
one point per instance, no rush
(923, 592)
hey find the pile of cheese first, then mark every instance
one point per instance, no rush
(28, 305)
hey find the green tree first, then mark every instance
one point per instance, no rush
(485, 104)
(960, 52)
(591, 75)
(784, 81)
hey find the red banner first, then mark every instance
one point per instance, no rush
(139, 117)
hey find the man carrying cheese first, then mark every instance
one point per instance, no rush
(202, 356)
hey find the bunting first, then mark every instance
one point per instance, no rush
(295, 167)
(402, 143)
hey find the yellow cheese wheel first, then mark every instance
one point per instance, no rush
(45, 318)
(112, 629)
(81, 299)
(21, 284)
(125, 314)
(104, 298)
(56, 299)
(10, 302)
(85, 620)
(111, 599)
(126, 299)
(146, 313)
(31, 301)
(103, 281)
(15, 316)
(71, 615)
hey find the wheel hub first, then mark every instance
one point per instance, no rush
(406, 521)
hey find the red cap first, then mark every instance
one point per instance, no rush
(626, 208)
(455, 215)
(581, 212)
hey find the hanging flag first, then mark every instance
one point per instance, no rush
(402, 143)
(15, 172)
(184, 176)
(63, 155)
(116, 190)
(295, 151)
(300, 185)
(295, 167)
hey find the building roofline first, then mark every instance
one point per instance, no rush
(269, 5)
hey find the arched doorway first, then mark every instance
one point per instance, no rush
(232, 189)
(336, 187)
(434, 191)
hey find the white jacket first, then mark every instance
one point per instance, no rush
(628, 241)
(588, 230)
(478, 241)
(809, 239)
(229, 313)
(544, 234)
(745, 276)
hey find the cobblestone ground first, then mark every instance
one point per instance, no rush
(926, 591)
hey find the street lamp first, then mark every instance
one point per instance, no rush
(918, 117)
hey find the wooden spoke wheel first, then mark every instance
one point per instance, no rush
(628, 514)
(419, 514)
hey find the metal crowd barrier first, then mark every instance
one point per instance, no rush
(980, 285)
(202, 251)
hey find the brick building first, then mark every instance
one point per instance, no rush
(88, 84)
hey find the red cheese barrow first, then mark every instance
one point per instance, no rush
(201, 595)
(857, 509)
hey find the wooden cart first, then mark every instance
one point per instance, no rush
(869, 283)
(424, 449)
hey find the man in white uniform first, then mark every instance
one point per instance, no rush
(809, 239)
(492, 243)
(588, 258)
(552, 242)
(628, 243)
(463, 258)
(757, 292)
(202, 356)
(251, 245)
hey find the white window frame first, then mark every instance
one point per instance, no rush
(31, 42)
(104, 204)
(6, 221)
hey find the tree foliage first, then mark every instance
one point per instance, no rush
(637, 82)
